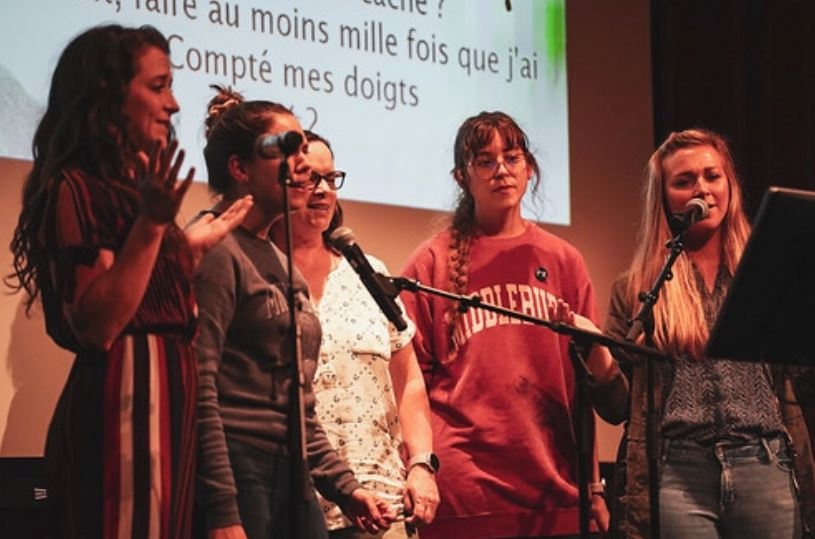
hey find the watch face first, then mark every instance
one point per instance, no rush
(434, 461)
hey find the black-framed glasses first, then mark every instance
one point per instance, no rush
(334, 180)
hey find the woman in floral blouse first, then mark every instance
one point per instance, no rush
(370, 392)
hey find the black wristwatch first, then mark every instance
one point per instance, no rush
(428, 460)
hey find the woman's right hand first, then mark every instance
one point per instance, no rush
(230, 532)
(367, 511)
(157, 176)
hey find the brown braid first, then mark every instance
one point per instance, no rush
(462, 234)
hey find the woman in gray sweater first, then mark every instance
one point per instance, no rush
(244, 354)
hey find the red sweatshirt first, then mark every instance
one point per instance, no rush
(502, 409)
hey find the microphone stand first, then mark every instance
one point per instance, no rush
(581, 343)
(643, 322)
(300, 474)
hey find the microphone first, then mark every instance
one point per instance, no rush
(287, 143)
(380, 287)
(695, 210)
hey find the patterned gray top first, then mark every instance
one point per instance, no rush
(719, 400)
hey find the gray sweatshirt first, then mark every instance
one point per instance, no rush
(244, 361)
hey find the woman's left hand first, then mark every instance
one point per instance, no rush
(563, 313)
(204, 233)
(421, 496)
(599, 513)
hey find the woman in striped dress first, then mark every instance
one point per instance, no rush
(97, 242)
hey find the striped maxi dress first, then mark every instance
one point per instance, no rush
(120, 451)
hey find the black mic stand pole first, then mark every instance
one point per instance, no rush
(300, 474)
(643, 322)
(583, 428)
(581, 342)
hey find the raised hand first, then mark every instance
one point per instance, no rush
(205, 232)
(157, 176)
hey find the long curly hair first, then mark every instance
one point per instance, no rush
(473, 135)
(679, 320)
(82, 128)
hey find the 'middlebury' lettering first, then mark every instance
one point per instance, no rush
(523, 298)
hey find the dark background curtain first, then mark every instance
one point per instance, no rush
(746, 69)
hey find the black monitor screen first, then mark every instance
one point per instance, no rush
(769, 311)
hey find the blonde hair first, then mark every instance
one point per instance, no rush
(679, 319)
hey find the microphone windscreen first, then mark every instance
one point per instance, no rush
(292, 140)
(342, 238)
(704, 209)
(286, 143)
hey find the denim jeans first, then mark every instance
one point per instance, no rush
(728, 491)
(396, 531)
(264, 495)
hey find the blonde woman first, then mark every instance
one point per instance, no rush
(726, 448)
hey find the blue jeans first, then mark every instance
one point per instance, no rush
(396, 531)
(728, 491)
(264, 495)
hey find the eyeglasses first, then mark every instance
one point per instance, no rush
(334, 179)
(486, 167)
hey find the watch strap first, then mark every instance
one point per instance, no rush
(428, 460)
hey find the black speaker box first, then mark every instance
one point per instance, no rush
(22, 498)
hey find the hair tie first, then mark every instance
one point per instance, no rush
(217, 109)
